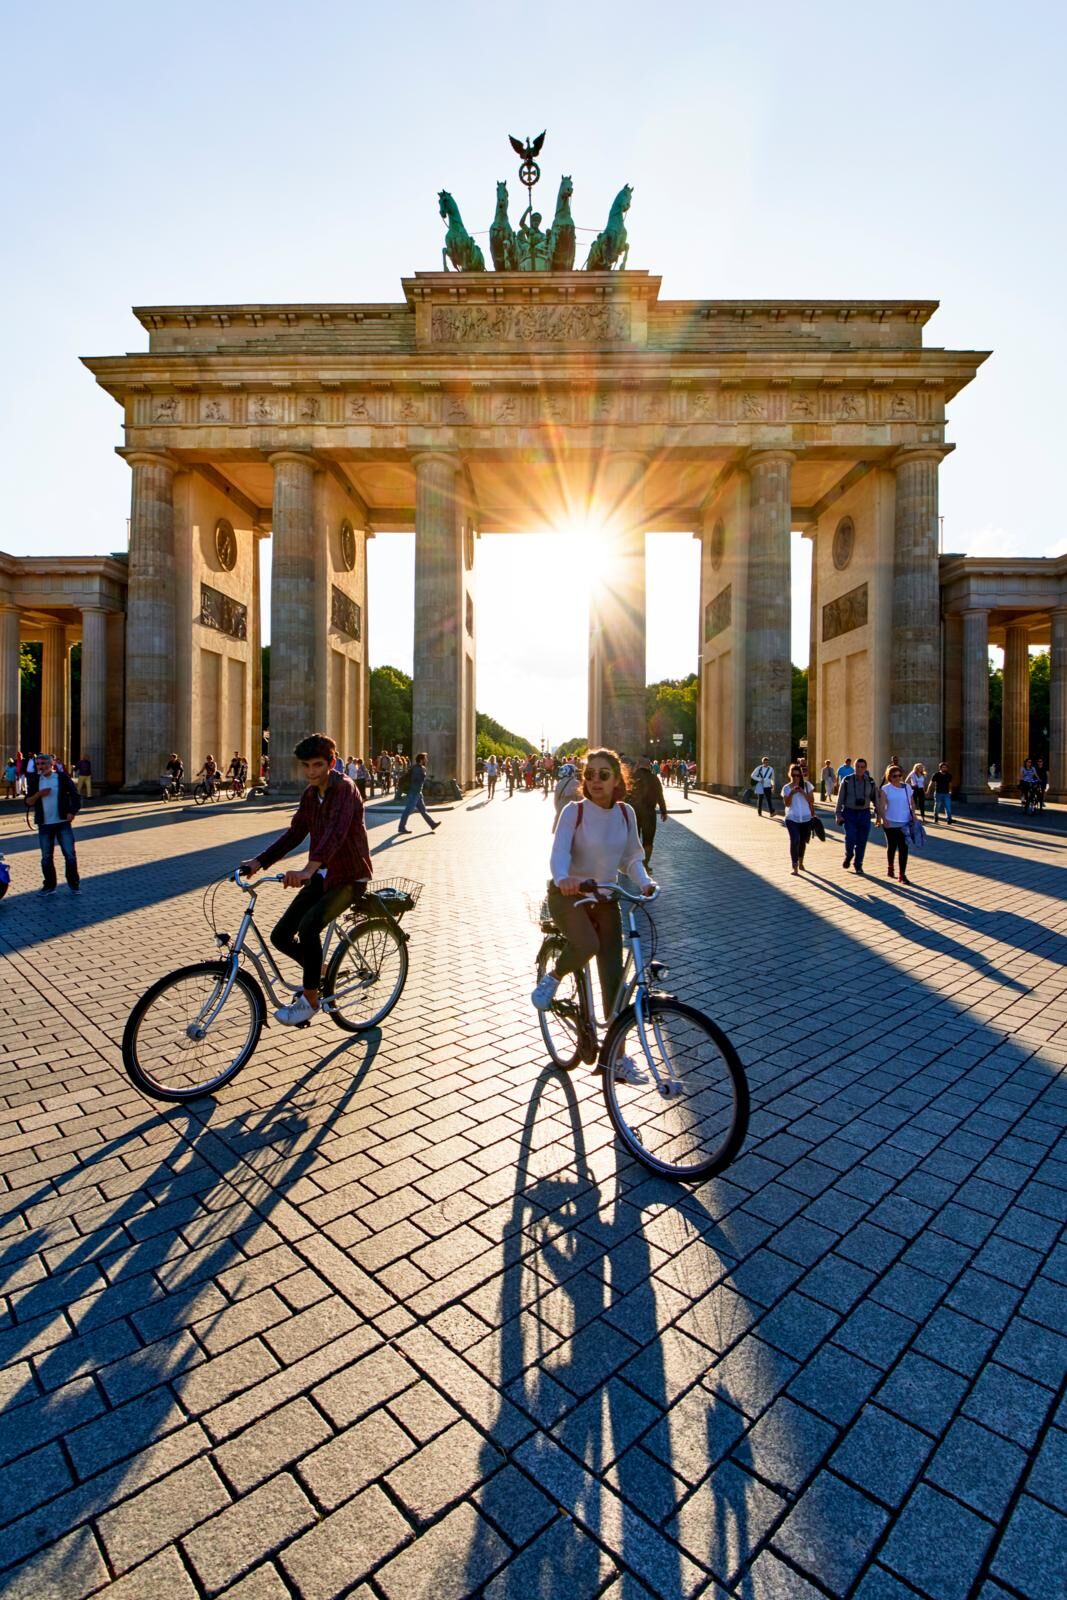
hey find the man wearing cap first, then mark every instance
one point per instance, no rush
(55, 803)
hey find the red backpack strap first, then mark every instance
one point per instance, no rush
(578, 818)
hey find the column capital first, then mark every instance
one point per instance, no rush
(447, 458)
(972, 611)
(148, 458)
(767, 458)
(304, 458)
(915, 453)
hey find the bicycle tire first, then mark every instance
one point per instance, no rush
(676, 1136)
(562, 1035)
(201, 794)
(369, 944)
(183, 1080)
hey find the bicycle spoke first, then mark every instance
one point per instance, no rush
(184, 1039)
(367, 974)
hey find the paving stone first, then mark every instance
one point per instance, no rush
(786, 1445)
(725, 1521)
(937, 1545)
(1032, 1556)
(978, 1467)
(1009, 1404)
(955, 1341)
(515, 1504)
(797, 1325)
(922, 1392)
(1048, 1479)
(882, 1454)
(875, 1333)
(451, 1561)
(163, 1577)
(159, 1515)
(279, 1439)
(443, 1471)
(835, 1384)
(561, 1560)
(68, 1570)
(243, 1535)
(345, 1546)
(769, 1578)
(831, 1532)
(354, 1458)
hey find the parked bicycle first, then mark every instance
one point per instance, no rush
(689, 1119)
(194, 1029)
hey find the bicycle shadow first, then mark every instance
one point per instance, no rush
(144, 1288)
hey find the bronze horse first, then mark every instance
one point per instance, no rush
(464, 252)
(561, 233)
(609, 246)
(502, 234)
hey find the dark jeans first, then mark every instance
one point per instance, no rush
(415, 802)
(857, 832)
(799, 834)
(50, 834)
(896, 842)
(594, 930)
(760, 798)
(492, 784)
(299, 933)
(646, 828)
(920, 802)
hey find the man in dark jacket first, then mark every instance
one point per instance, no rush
(331, 811)
(55, 803)
(646, 796)
(856, 798)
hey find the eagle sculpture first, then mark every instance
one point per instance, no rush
(531, 149)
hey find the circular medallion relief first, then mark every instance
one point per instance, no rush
(468, 545)
(844, 540)
(718, 545)
(225, 545)
(348, 545)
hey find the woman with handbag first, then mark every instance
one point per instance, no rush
(896, 814)
(798, 797)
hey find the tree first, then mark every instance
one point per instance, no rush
(1040, 672)
(996, 715)
(494, 739)
(572, 747)
(670, 708)
(390, 709)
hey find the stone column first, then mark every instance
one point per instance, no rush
(55, 666)
(292, 612)
(768, 674)
(150, 619)
(93, 732)
(617, 614)
(952, 696)
(1015, 720)
(438, 690)
(1057, 725)
(915, 644)
(10, 685)
(815, 755)
(974, 784)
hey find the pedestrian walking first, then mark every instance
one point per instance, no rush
(492, 772)
(763, 783)
(896, 812)
(1042, 781)
(941, 783)
(646, 796)
(829, 780)
(362, 777)
(856, 804)
(56, 802)
(916, 782)
(798, 797)
(415, 802)
(845, 770)
(11, 778)
(83, 777)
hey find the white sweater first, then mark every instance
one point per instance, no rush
(605, 845)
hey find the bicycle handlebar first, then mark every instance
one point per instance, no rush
(249, 887)
(594, 890)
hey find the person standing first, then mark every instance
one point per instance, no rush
(829, 780)
(11, 778)
(845, 770)
(1042, 781)
(941, 784)
(896, 810)
(856, 804)
(1028, 782)
(415, 802)
(646, 796)
(361, 778)
(492, 771)
(916, 782)
(55, 803)
(763, 781)
(83, 777)
(338, 866)
(798, 797)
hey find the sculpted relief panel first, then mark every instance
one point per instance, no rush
(552, 325)
(842, 615)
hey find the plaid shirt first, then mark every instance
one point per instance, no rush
(338, 835)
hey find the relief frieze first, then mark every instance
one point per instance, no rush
(223, 614)
(529, 324)
(842, 615)
(717, 613)
(344, 612)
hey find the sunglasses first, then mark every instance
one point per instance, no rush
(601, 775)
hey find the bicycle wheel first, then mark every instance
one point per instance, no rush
(366, 974)
(174, 1048)
(561, 1024)
(201, 794)
(692, 1121)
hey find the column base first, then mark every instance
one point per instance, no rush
(976, 797)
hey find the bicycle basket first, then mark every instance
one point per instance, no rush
(396, 896)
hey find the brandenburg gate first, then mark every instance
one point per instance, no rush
(485, 402)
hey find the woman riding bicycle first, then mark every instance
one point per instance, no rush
(596, 838)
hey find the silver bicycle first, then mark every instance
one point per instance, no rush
(688, 1120)
(195, 1028)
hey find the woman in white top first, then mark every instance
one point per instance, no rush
(829, 780)
(799, 799)
(916, 782)
(596, 838)
(896, 808)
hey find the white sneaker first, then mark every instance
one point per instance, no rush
(627, 1071)
(300, 1010)
(545, 992)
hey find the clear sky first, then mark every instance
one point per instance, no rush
(243, 152)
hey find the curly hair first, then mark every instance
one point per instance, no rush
(614, 760)
(316, 747)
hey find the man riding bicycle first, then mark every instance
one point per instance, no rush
(331, 811)
(210, 773)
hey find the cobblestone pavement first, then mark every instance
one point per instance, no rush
(391, 1317)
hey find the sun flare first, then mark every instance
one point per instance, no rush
(588, 550)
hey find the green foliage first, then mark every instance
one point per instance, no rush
(390, 710)
(996, 714)
(572, 747)
(800, 713)
(1040, 672)
(671, 707)
(494, 739)
(28, 662)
